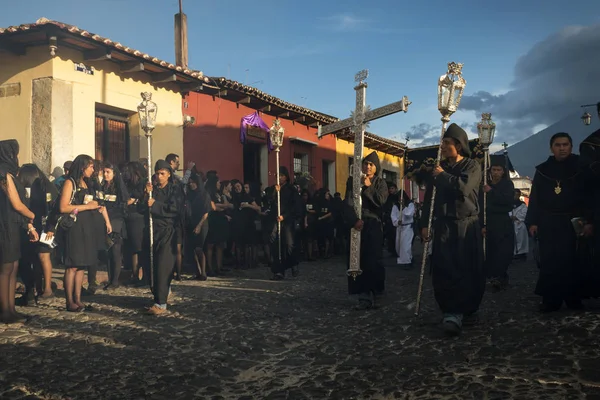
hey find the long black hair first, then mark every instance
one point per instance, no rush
(120, 188)
(211, 186)
(32, 177)
(80, 163)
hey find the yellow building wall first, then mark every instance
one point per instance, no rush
(63, 114)
(107, 87)
(15, 111)
(345, 150)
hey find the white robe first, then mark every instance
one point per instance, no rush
(404, 232)
(521, 235)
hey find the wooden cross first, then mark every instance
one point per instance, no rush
(505, 145)
(357, 123)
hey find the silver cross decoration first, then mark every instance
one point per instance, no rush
(357, 123)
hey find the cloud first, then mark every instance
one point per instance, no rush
(551, 80)
(425, 134)
(346, 22)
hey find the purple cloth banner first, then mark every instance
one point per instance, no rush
(254, 120)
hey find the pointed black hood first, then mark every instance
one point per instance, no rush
(457, 133)
(374, 158)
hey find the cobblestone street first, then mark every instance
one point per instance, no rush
(245, 337)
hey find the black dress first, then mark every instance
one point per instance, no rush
(13, 224)
(81, 240)
(246, 228)
(198, 204)
(135, 222)
(218, 231)
(500, 231)
(372, 279)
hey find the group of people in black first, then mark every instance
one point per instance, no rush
(472, 247)
(200, 218)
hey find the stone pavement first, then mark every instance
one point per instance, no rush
(245, 337)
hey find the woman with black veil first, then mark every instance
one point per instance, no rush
(218, 232)
(14, 217)
(116, 199)
(198, 206)
(35, 266)
(499, 232)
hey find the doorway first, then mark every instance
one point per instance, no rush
(252, 163)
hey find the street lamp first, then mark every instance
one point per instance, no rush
(587, 117)
(450, 90)
(147, 110)
(451, 86)
(276, 133)
(486, 129)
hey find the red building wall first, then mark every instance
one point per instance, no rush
(213, 141)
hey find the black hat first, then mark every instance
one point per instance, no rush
(162, 164)
(457, 133)
(374, 158)
(284, 171)
(590, 147)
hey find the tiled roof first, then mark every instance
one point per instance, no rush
(225, 83)
(107, 42)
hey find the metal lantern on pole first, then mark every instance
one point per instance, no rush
(486, 129)
(147, 110)
(586, 118)
(276, 133)
(450, 90)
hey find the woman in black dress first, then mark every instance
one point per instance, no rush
(218, 232)
(135, 177)
(95, 185)
(309, 224)
(198, 205)
(78, 199)
(36, 264)
(14, 217)
(247, 237)
(116, 198)
(325, 223)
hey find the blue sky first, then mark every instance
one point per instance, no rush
(307, 52)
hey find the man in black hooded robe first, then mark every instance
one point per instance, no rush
(290, 203)
(374, 194)
(457, 258)
(556, 198)
(498, 230)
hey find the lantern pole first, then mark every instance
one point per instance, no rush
(277, 132)
(450, 90)
(485, 129)
(147, 112)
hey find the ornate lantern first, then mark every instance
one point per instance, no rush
(147, 110)
(486, 129)
(277, 131)
(586, 118)
(450, 90)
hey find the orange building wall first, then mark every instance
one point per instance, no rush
(213, 142)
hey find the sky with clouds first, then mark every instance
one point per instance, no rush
(529, 63)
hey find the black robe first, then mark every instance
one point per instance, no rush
(500, 231)
(589, 248)
(166, 217)
(291, 210)
(551, 212)
(457, 258)
(373, 197)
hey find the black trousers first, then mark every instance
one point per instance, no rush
(289, 256)
(164, 250)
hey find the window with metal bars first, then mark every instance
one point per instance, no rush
(301, 163)
(112, 138)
